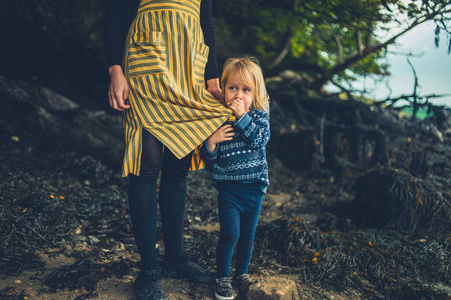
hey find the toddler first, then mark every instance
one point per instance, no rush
(240, 171)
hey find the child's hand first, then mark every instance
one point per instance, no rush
(237, 106)
(224, 133)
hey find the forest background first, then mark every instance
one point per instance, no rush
(328, 43)
(359, 202)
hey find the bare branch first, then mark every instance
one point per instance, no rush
(360, 46)
(369, 35)
(283, 52)
(347, 91)
(305, 66)
(286, 44)
(357, 56)
(340, 49)
(408, 98)
(414, 94)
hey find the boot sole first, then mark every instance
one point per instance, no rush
(199, 279)
(139, 298)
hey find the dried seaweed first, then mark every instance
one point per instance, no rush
(33, 216)
(63, 192)
(84, 274)
(395, 199)
(9, 293)
(296, 241)
(29, 223)
(381, 263)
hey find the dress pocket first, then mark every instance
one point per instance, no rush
(200, 60)
(146, 53)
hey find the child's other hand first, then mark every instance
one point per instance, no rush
(237, 106)
(224, 133)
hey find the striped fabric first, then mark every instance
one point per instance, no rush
(164, 64)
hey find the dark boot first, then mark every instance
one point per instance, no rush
(187, 269)
(148, 286)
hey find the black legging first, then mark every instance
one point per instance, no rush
(143, 201)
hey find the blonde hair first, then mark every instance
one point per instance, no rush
(248, 70)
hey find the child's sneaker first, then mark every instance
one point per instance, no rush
(223, 289)
(242, 281)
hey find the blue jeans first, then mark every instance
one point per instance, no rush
(239, 208)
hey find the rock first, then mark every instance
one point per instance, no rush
(80, 238)
(54, 102)
(93, 239)
(54, 121)
(119, 247)
(272, 288)
(443, 289)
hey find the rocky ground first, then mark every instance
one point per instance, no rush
(65, 230)
(97, 258)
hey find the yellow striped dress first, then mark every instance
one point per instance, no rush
(164, 65)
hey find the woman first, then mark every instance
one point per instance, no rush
(166, 109)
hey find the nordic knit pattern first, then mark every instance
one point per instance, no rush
(243, 158)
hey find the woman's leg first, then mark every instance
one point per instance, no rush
(172, 198)
(143, 201)
(172, 207)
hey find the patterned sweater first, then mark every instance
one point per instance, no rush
(243, 158)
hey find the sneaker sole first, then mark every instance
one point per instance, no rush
(219, 297)
(199, 279)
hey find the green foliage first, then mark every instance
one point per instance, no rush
(326, 38)
(319, 39)
(249, 27)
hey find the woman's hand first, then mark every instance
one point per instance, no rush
(214, 88)
(118, 92)
(224, 133)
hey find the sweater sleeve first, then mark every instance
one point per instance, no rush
(206, 22)
(209, 156)
(115, 30)
(254, 129)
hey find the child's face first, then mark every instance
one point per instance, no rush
(236, 89)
